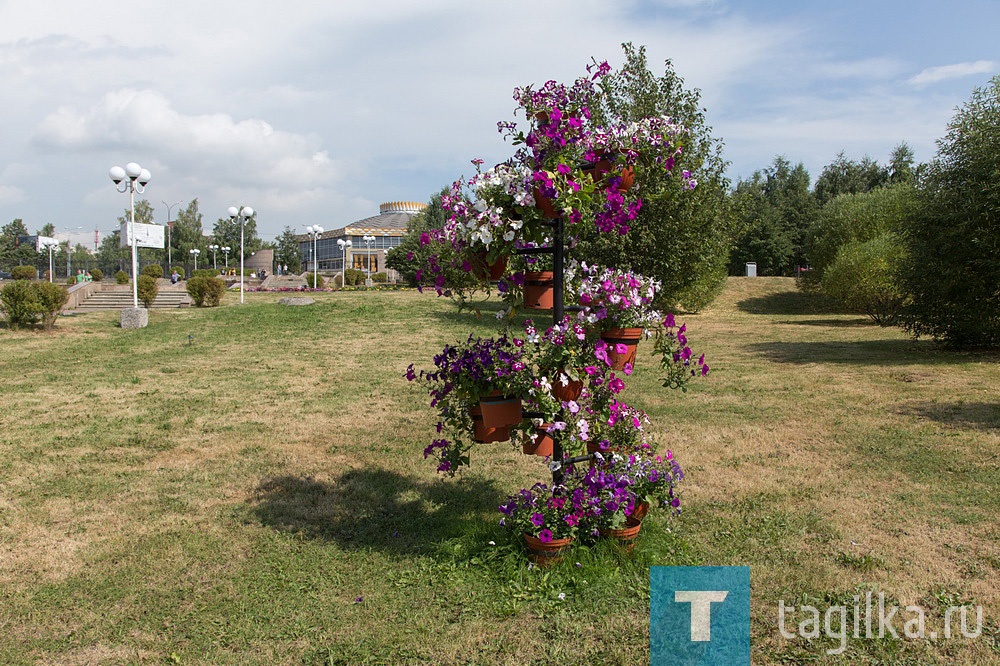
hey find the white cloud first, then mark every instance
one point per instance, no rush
(11, 195)
(957, 71)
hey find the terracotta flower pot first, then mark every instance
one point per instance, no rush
(546, 553)
(640, 511)
(492, 271)
(604, 165)
(566, 392)
(500, 411)
(482, 434)
(542, 444)
(627, 535)
(629, 337)
(539, 290)
(545, 205)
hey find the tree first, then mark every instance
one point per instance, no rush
(287, 251)
(953, 238)
(188, 234)
(227, 232)
(863, 277)
(774, 208)
(681, 237)
(844, 176)
(12, 251)
(112, 258)
(901, 167)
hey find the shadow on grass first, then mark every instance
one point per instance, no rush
(375, 509)
(970, 415)
(864, 352)
(835, 323)
(789, 303)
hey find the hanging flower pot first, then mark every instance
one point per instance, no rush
(484, 435)
(566, 392)
(604, 165)
(539, 290)
(542, 444)
(629, 337)
(500, 411)
(627, 535)
(494, 271)
(545, 205)
(546, 553)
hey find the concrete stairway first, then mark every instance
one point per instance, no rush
(116, 300)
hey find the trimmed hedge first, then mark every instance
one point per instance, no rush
(147, 289)
(24, 272)
(121, 277)
(206, 291)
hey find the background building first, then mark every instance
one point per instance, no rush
(388, 228)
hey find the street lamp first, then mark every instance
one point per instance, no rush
(195, 252)
(214, 249)
(170, 226)
(241, 214)
(344, 245)
(225, 250)
(315, 231)
(51, 245)
(137, 179)
(368, 252)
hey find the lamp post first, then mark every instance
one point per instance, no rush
(51, 245)
(368, 257)
(137, 179)
(195, 252)
(225, 250)
(344, 245)
(214, 249)
(170, 227)
(315, 231)
(241, 214)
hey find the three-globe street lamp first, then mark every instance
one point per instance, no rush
(344, 245)
(195, 252)
(368, 251)
(315, 231)
(51, 244)
(214, 249)
(241, 214)
(137, 179)
(225, 250)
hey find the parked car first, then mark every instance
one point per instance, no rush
(4, 275)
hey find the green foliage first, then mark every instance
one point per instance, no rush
(681, 238)
(152, 270)
(206, 291)
(953, 237)
(205, 272)
(121, 277)
(287, 251)
(179, 270)
(856, 217)
(96, 274)
(773, 209)
(109, 255)
(50, 298)
(19, 302)
(226, 231)
(12, 251)
(71, 280)
(864, 277)
(355, 277)
(24, 272)
(147, 289)
(317, 280)
(379, 277)
(844, 176)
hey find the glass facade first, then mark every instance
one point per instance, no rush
(331, 256)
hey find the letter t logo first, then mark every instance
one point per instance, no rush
(701, 610)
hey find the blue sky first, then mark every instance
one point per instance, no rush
(317, 114)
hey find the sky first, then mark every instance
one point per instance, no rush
(317, 112)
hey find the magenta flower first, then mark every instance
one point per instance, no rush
(545, 536)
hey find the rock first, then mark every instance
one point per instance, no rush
(299, 300)
(134, 318)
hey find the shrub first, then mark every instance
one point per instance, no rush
(864, 278)
(320, 282)
(121, 277)
(147, 290)
(24, 273)
(179, 270)
(152, 270)
(71, 280)
(206, 291)
(45, 275)
(50, 298)
(205, 272)
(379, 277)
(97, 274)
(19, 302)
(356, 277)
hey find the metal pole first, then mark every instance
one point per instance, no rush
(242, 220)
(135, 259)
(558, 260)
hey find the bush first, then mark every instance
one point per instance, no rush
(147, 290)
(206, 291)
(50, 298)
(354, 277)
(179, 270)
(24, 272)
(19, 302)
(154, 271)
(121, 277)
(379, 277)
(97, 274)
(320, 282)
(864, 278)
(205, 272)
(71, 280)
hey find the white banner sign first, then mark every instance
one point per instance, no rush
(146, 235)
(43, 242)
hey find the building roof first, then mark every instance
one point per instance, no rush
(393, 218)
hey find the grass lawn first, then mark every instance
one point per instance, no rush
(245, 485)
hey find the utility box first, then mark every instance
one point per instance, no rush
(751, 269)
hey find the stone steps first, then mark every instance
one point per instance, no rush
(116, 300)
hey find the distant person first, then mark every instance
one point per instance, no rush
(174, 277)
(285, 269)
